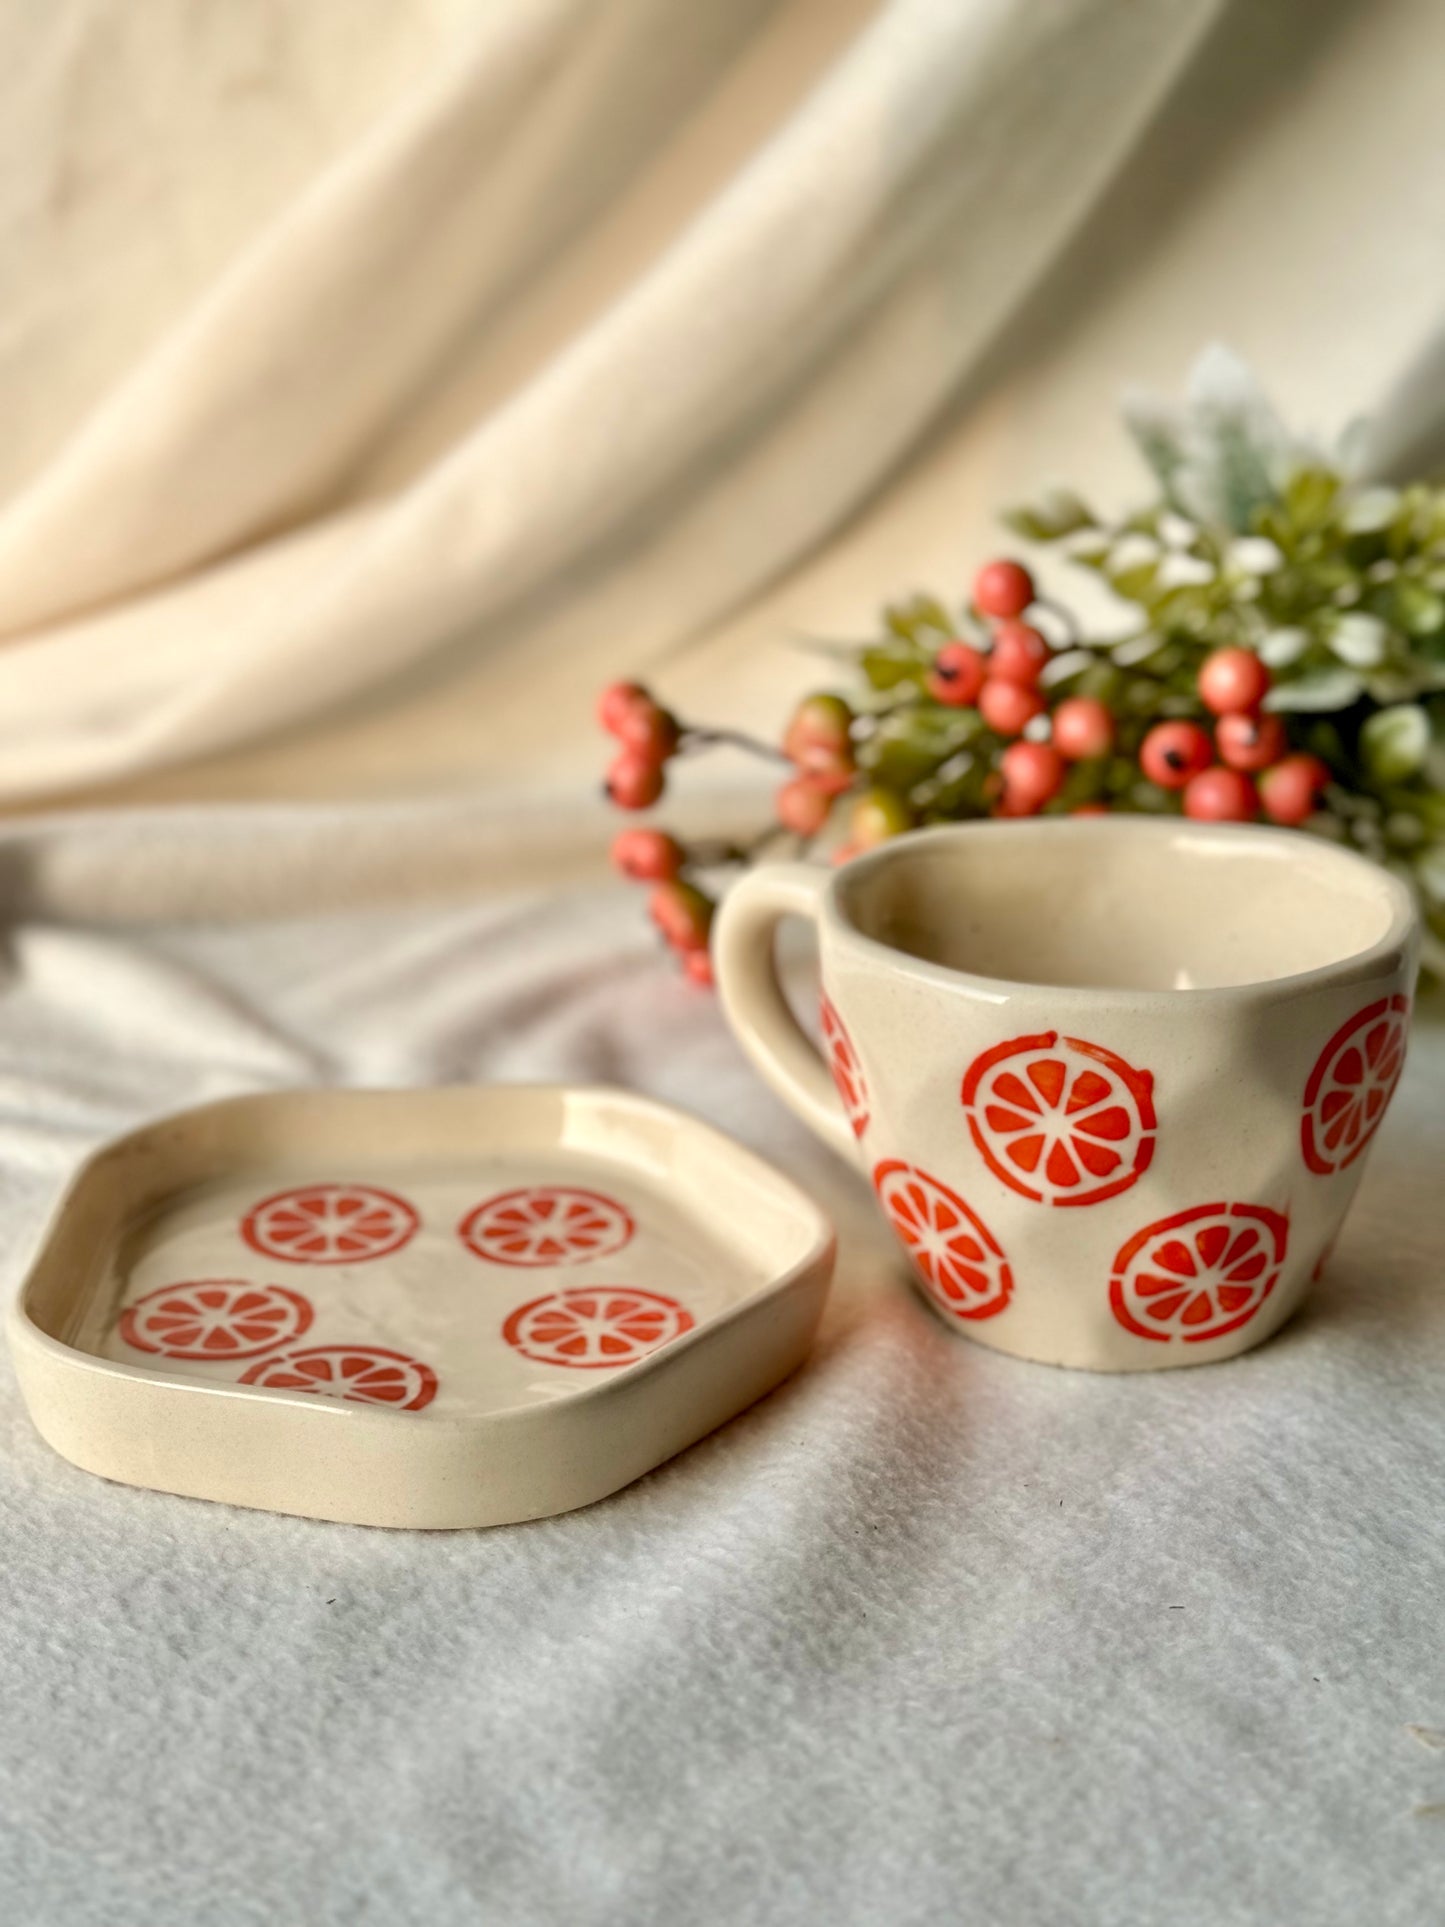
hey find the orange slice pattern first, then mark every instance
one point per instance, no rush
(595, 1327)
(1200, 1273)
(546, 1224)
(1352, 1083)
(960, 1262)
(329, 1224)
(843, 1062)
(214, 1318)
(365, 1374)
(1059, 1120)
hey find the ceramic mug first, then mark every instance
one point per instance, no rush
(1113, 1078)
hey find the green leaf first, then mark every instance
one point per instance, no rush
(1088, 546)
(1418, 609)
(1058, 512)
(1222, 458)
(1158, 431)
(1320, 689)
(1023, 521)
(1404, 830)
(887, 664)
(1254, 555)
(1430, 869)
(1134, 584)
(924, 613)
(1309, 497)
(1281, 647)
(1393, 742)
(910, 743)
(1352, 446)
(1367, 511)
(1361, 640)
(1322, 738)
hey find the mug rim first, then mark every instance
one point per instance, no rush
(1389, 950)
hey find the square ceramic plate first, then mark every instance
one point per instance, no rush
(413, 1308)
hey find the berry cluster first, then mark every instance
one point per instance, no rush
(1002, 683)
(1246, 765)
(1011, 717)
(648, 737)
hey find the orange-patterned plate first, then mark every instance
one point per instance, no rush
(426, 1308)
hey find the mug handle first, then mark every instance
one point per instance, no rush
(753, 1001)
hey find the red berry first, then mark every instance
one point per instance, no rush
(647, 856)
(1007, 706)
(1173, 752)
(683, 915)
(618, 700)
(1003, 589)
(1249, 742)
(1083, 727)
(1221, 795)
(1018, 653)
(1032, 772)
(819, 737)
(697, 965)
(650, 730)
(634, 782)
(877, 815)
(1090, 809)
(1232, 679)
(957, 675)
(1291, 790)
(802, 805)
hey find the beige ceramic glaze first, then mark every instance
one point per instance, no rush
(414, 1308)
(1113, 1079)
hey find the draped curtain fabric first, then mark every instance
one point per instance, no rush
(360, 363)
(588, 288)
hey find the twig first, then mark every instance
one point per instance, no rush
(695, 740)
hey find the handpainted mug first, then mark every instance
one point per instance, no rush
(1113, 1078)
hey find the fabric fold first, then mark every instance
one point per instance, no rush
(765, 368)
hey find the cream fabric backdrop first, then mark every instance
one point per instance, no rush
(376, 377)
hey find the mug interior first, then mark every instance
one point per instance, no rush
(1125, 904)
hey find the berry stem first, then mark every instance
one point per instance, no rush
(694, 741)
(718, 854)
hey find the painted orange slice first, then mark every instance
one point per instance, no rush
(595, 1327)
(960, 1262)
(1200, 1273)
(546, 1224)
(842, 1061)
(365, 1374)
(214, 1318)
(1352, 1083)
(329, 1224)
(1060, 1120)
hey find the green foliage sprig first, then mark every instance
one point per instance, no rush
(1257, 544)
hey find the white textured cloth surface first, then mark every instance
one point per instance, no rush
(928, 1636)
